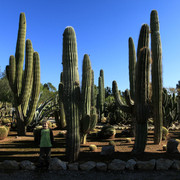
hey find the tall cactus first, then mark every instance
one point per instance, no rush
(132, 67)
(100, 98)
(138, 108)
(141, 100)
(88, 116)
(156, 76)
(71, 93)
(27, 85)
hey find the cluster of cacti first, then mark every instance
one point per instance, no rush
(169, 108)
(80, 115)
(141, 105)
(25, 86)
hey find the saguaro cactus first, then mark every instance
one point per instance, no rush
(132, 67)
(26, 86)
(138, 108)
(71, 93)
(156, 76)
(88, 121)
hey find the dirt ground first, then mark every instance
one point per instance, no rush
(24, 148)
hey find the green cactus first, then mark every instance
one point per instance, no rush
(62, 120)
(27, 85)
(139, 107)
(86, 86)
(71, 92)
(156, 76)
(93, 103)
(169, 107)
(141, 100)
(132, 67)
(88, 115)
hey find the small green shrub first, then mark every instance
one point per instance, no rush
(3, 132)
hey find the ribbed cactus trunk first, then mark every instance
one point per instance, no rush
(101, 98)
(86, 86)
(71, 93)
(26, 86)
(62, 120)
(132, 67)
(156, 76)
(86, 97)
(141, 100)
(93, 101)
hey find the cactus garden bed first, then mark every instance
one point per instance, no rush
(24, 148)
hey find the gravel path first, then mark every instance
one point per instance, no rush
(82, 175)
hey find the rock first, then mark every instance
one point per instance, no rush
(117, 165)
(107, 150)
(176, 165)
(10, 164)
(172, 145)
(57, 164)
(163, 164)
(73, 166)
(130, 164)
(164, 148)
(87, 166)
(146, 165)
(100, 166)
(27, 165)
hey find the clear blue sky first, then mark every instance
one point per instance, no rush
(102, 29)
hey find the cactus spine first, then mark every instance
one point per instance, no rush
(156, 76)
(26, 86)
(132, 66)
(71, 93)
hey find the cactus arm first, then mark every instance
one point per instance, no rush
(36, 88)
(19, 55)
(61, 106)
(143, 40)
(128, 99)
(12, 72)
(118, 100)
(132, 67)
(27, 76)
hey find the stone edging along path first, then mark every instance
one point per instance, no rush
(114, 165)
